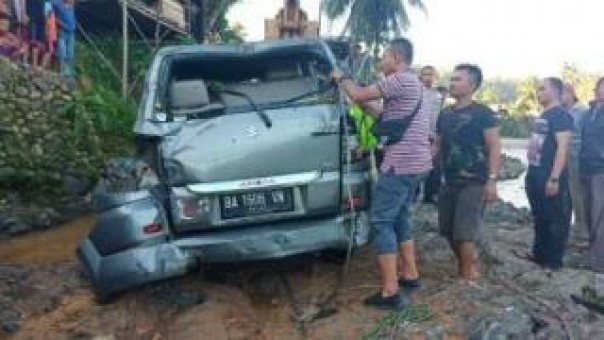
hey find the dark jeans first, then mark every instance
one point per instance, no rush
(593, 185)
(552, 218)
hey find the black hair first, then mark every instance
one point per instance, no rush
(474, 72)
(404, 48)
(557, 84)
(428, 67)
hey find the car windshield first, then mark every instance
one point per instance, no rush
(269, 81)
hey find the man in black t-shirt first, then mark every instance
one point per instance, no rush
(547, 184)
(470, 152)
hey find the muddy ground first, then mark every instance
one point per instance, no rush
(44, 295)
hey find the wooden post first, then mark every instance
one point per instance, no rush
(124, 48)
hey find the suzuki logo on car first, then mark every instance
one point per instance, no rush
(257, 182)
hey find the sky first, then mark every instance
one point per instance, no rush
(507, 38)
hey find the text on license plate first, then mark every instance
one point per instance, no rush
(256, 203)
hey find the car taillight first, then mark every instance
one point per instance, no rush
(152, 228)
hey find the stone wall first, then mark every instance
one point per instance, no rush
(49, 150)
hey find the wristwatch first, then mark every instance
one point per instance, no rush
(554, 179)
(492, 177)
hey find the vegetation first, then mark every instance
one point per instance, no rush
(372, 22)
(396, 321)
(516, 99)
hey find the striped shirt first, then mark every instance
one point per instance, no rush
(411, 155)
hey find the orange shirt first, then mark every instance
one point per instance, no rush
(51, 27)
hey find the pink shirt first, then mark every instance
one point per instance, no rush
(411, 155)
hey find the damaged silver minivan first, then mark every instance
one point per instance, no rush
(254, 158)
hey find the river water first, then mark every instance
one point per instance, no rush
(513, 190)
(59, 244)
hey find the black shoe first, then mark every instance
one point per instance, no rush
(411, 284)
(394, 302)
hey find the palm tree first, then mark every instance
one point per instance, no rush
(372, 22)
(213, 9)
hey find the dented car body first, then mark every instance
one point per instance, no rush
(253, 152)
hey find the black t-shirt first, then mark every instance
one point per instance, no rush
(464, 155)
(543, 146)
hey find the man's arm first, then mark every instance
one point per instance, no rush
(361, 94)
(563, 139)
(493, 145)
(372, 107)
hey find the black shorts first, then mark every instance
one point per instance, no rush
(460, 211)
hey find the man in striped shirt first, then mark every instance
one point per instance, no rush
(405, 164)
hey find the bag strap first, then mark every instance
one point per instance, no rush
(409, 119)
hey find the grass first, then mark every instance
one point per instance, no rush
(388, 325)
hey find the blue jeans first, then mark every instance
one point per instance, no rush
(390, 223)
(66, 51)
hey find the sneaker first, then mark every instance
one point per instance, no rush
(411, 284)
(394, 302)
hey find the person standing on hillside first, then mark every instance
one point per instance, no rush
(470, 149)
(67, 24)
(433, 99)
(577, 110)
(547, 183)
(406, 162)
(592, 174)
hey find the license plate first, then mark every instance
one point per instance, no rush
(256, 203)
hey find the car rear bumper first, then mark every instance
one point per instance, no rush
(116, 272)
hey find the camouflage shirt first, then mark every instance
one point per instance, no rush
(464, 155)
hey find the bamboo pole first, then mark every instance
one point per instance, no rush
(124, 48)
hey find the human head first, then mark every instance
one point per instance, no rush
(466, 80)
(599, 90)
(569, 95)
(428, 75)
(550, 91)
(398, 55)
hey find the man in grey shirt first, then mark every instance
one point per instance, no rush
(577, 110)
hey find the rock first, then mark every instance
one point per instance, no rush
(512, 323)
(511, 168)
(42, 135)
(505, 213)
(75, 185)
(11, 326)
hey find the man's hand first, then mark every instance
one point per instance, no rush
(552, 188)
(490, 192)
(337, 74)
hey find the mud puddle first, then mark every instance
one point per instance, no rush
(46, 247)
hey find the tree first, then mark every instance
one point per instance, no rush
(213, 11)
(372, 22)
(583, 82)
(526, 96)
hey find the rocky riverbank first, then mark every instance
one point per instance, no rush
(514, 299)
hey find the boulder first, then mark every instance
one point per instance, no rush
(511, 168)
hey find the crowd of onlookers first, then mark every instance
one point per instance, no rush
(39, 33)
(461, 143)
